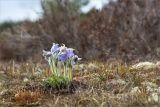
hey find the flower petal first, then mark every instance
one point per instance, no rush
(55, 48)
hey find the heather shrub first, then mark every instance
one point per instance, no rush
(125, 29)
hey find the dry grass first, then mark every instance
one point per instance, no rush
(96, 84)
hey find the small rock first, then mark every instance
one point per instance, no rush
(144, 66)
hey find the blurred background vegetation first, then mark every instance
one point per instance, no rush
(126, 29)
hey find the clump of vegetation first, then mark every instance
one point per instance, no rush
(61, 60)
(29, 97)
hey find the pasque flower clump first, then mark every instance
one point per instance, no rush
(61, 61)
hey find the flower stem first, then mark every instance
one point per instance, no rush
(64, 73)
(70, 73)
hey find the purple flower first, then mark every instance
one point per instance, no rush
(46, 53)
(61, 53)
(55, 48)
(68, 53)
